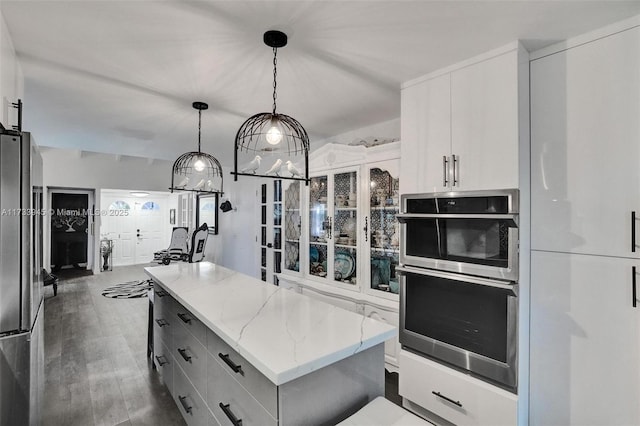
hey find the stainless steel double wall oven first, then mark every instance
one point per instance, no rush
(458, 285)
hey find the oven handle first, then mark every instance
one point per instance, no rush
(402, 217)
(512, 288)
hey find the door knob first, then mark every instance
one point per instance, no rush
(138, 235)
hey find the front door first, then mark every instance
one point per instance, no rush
(148, 219)
(270, 236)
(137, 227)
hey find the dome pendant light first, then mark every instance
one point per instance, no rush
(197, 171)
(270, 144)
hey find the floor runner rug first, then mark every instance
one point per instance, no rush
(128, 290)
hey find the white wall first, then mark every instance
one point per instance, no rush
(384, 130)
(11, 77)
(82, 169)
(235, 246)
(64, 168)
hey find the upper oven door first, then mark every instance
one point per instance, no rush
(470, 233)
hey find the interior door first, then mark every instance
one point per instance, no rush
(270, 236)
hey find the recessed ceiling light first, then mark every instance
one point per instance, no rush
(139, 193)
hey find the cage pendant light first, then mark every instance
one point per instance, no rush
(197, 171)
(270, 144)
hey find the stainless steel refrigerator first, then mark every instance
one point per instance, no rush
(21, 286)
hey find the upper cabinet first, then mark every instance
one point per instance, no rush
(11, 78)
(462, 127)
(585, 150)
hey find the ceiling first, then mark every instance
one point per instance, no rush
(120, 76)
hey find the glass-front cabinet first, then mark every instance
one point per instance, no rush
(383, 228)
(292, 225)
(340, 231)
(333, 225)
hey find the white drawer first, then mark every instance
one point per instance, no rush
(189, 402)
(262, 389)
(231, 402)
(190, 322)
(164, 363)
(191, 356)
(454, 396)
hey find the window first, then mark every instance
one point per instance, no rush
(150, 205)
(119, 205)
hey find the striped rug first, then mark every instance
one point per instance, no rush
(128, 290)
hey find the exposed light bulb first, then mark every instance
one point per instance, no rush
(274, 136)
(199, 165)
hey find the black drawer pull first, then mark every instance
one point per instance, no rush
(183, 352)
(162, 322)
(185, 319)
(186, 407)
(230, 415)
(232, 365)
(438, 394)
(634, 291)
(162, 360)
(161, 293)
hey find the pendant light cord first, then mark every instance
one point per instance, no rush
(275, 74)
(199, 126)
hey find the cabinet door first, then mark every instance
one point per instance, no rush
(585, 341)
(391, 346)
(383, 233)
(319, 231)
(426, 136)
(345, 227)
(292, 225)
(484, 124)
(271, 238)
(585, 155)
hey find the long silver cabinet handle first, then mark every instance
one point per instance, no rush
(445, 171)
(455, 166)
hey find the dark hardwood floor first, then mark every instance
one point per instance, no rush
(95, 357)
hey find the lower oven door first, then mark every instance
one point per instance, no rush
(465, 321)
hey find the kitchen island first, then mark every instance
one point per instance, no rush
(235, 350)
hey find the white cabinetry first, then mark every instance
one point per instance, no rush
(585, 147)
(11, 78)
(461, 127)
(426, 135)
(452, 395)
(585, 330)
(585, 340)
(484, 124)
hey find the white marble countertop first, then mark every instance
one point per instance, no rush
(285, 335)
